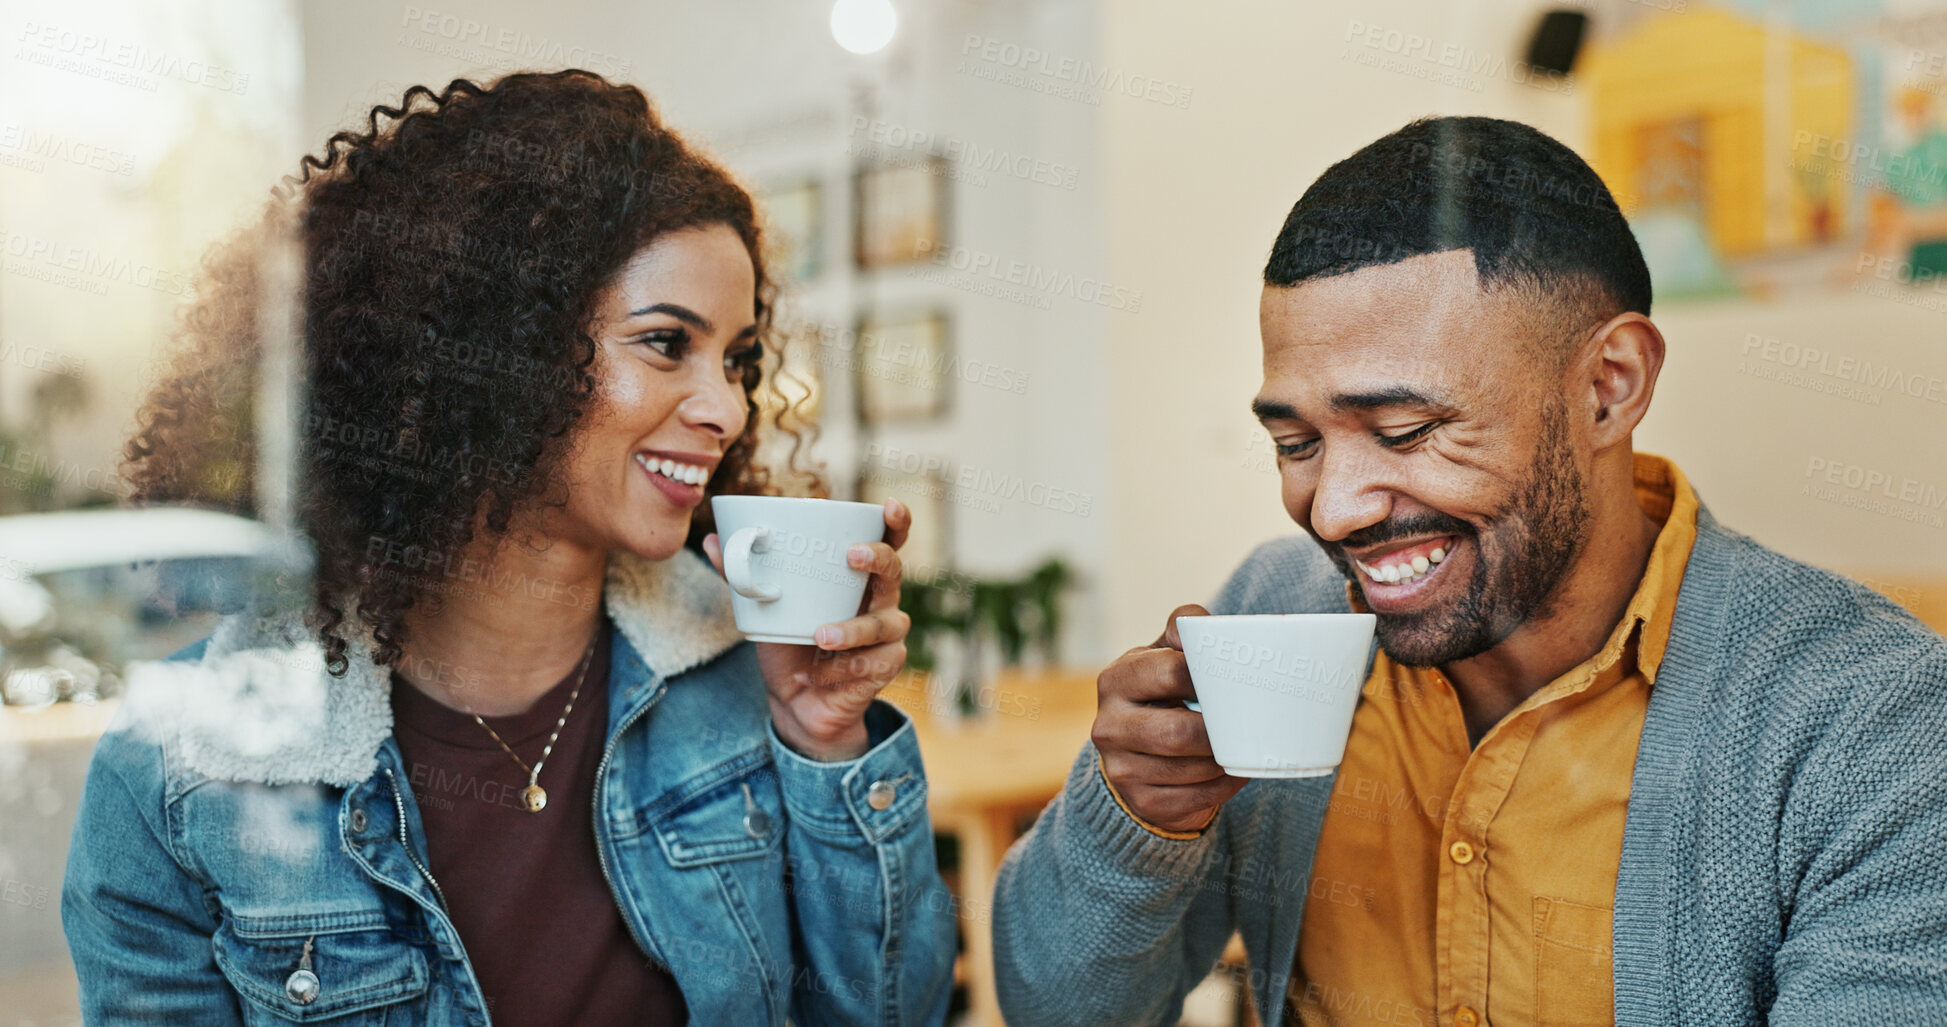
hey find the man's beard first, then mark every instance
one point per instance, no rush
(1529, 547)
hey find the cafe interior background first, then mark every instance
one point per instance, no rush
(1024, 240)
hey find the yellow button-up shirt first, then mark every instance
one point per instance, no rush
(1472, 885)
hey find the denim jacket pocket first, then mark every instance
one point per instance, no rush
(733, 812)
(356, 965)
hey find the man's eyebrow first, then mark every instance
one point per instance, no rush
(1380, 399)
(1272, 410)
(679, 312)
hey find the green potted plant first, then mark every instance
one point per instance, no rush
(956, 617)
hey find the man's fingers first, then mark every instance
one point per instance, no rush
(1146, 675)
(1162, 731)
(1155, 752)
(1169, 636)
(1164, 771)
(1170, 732)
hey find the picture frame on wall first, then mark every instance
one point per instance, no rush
(901, 212)
(900, 366)
(927, 545)
(796, 213)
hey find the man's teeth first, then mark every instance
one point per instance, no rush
(1402, 571)
(688, 474)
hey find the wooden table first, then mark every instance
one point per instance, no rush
(984, 773)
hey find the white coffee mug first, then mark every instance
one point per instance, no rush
(1277, 691)
(785, 560)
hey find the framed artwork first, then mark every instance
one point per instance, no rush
(901, 212)
(926, 552)
(900, 365)
(797, 221)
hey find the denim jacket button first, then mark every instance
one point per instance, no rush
(358, 821)
(878, 794)
(301, 987)
(757, 823)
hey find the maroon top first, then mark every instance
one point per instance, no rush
(526, 890)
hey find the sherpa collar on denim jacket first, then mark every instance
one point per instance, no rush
(259, 705)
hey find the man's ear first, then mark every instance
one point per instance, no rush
(1625, 356)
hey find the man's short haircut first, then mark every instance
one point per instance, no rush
(1535, 215)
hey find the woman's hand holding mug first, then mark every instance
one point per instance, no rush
(819, 693)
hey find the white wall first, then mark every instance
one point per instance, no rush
(1759, 421)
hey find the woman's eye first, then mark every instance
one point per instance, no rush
(670, 342)
(1403, 439)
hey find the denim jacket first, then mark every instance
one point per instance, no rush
(247, 807)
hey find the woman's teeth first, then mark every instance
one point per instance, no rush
(1404, 571)
(688, 474)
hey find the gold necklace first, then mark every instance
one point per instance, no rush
(534, 798)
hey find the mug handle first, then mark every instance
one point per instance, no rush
(736, 563)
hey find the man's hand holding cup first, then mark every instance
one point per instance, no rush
(1155, 751)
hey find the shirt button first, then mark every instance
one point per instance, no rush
(358, 821)
(1466, 1018)
(1462, 854)
(878, 794)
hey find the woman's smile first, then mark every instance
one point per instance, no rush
(680, 477)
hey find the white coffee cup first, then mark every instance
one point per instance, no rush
(1277, 691)
(785, 560)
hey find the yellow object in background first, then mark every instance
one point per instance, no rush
(1713, 112)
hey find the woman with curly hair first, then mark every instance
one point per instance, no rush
(511, 760)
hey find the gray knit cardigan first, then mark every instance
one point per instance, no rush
(1784, 858)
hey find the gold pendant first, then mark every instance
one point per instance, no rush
(534, 797)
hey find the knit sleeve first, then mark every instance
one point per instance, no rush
(1098, 921)
(1864, 841)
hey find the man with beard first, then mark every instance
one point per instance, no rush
(1612, 760)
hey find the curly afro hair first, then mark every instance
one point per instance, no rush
(453, 250)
